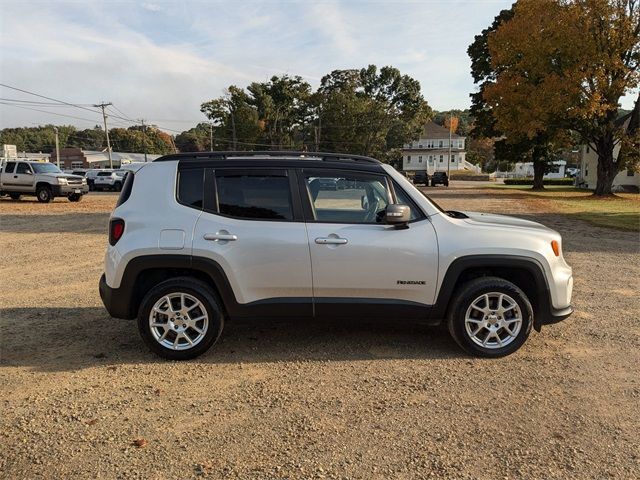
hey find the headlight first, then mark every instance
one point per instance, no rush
(62, 181)
(84, 181)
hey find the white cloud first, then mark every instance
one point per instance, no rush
(152, 7)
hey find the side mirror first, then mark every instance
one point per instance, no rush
(364, 202)
(398, 215)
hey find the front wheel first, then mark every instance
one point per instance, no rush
(180, 319)
(44, 194)
(490, 317)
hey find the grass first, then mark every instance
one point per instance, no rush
(620, 211)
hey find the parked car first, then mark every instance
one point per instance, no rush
(439, 178)
(42, 179)
(91, 176)
(109, 180)
(421, 178)
(197, 240)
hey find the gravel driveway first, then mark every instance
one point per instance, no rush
(82, 398)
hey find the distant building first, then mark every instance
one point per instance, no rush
(588, 175)
(430, 152)
(10, 152)
(525, 169)
(71, 158)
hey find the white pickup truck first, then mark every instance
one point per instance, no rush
(42, 179)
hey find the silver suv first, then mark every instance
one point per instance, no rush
(202, 238)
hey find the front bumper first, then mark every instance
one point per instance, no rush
(65, 190)
(550, 315)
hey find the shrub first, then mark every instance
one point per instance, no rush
(546, 181)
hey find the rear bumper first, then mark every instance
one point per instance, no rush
(117, 301)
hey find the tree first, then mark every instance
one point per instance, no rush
(564, 65)
(370, 111)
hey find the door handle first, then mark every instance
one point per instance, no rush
(331, 241)
(219, 237)
(15, 176)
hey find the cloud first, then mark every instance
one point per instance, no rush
(152, 7)
(161, 59)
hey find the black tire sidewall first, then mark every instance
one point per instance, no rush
(204, 295)
(468, 294)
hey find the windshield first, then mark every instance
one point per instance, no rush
(45, 168)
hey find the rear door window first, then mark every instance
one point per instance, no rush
(10, 167)
(254, 196)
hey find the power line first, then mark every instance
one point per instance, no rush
(94, 121)
(48, 98)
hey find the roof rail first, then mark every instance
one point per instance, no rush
(267, 153)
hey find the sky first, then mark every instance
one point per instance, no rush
(159, 60)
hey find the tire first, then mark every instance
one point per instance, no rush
(117, 186)
(44, 194)
(75, 197)
(91, 187)
(194, 290)
(505, 332)
(15, 196)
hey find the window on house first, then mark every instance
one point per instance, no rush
(408, 158)
(441, 158)
(420, 159)
(630, 172)
(441, 143)
(76, 164)
(420, 145)
(453, 158)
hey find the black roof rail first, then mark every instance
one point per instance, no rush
(267, 153)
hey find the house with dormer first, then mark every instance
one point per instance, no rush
(430, 152)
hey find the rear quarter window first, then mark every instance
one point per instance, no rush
(191, 187)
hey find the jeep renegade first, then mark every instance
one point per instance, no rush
(197, 239)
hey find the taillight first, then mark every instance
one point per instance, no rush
(116, 229)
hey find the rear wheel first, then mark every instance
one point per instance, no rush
(44, 194)
(117, 186)
(14, 196)
(490, 317)
(74, 197)
(180, 319)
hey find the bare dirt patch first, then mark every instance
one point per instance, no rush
(82, 398)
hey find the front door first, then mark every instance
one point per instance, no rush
(356, 259)
(23, 178)
(258, 237)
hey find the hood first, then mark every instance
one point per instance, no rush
(62, 175)
(488, 219)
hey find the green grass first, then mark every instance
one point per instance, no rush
(620, 211)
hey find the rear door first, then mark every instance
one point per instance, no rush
(252, 226)
(23, 179)
(358, 260)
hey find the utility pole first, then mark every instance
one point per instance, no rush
(144, 138)
(55, 129)
(211, 136)
(449, 159)
(106, 130)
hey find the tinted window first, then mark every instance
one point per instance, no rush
(45, 168)
(23, 168)
(347, 198)
(190, 187)
(9, 167)
(105, 174)
(260, 197)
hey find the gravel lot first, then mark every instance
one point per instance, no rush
(81, 397)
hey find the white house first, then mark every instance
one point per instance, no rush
(588, 175)
(430, 152)
(525, 169)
